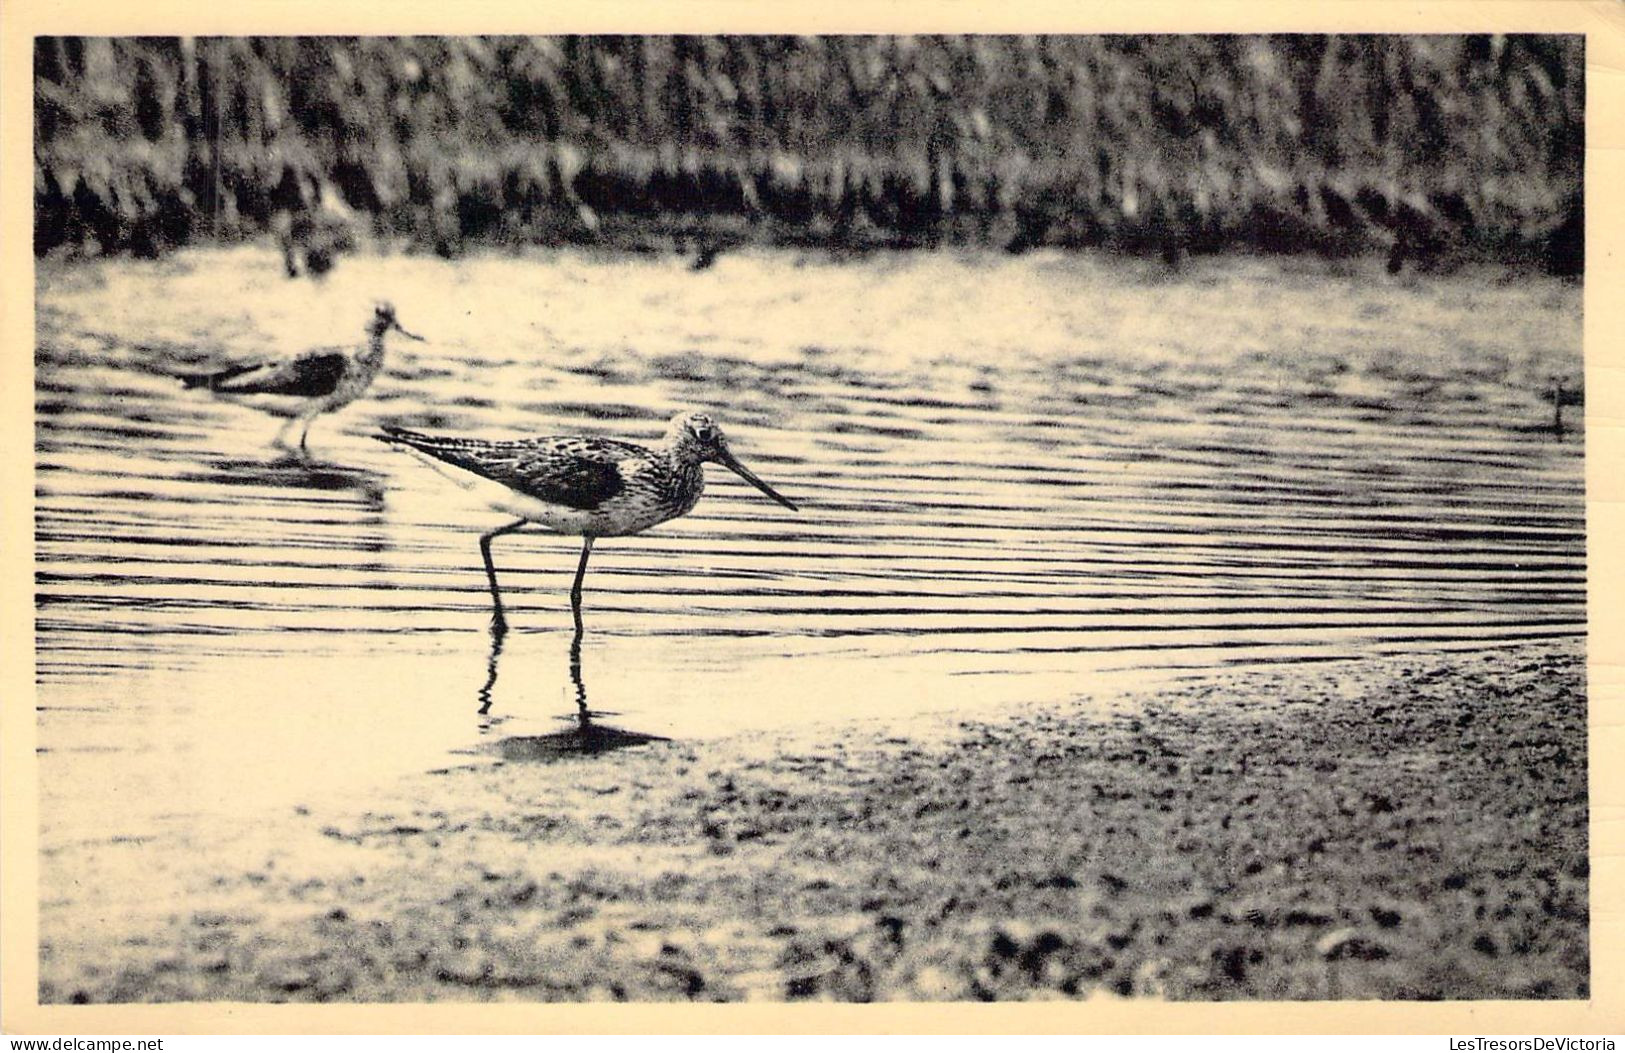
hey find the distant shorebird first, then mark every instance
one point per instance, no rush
(310, 384)
(587, 487)
(311, 241)
(312, 224)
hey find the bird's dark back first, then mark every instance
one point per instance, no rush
(579, 473)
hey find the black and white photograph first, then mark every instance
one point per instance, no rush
(945, 517)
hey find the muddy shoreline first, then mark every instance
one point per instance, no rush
(1411, 827)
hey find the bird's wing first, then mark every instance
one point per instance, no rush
(574, 472)
(310, 375)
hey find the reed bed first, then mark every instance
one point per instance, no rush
(1437, 144)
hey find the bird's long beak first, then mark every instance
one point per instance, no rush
(402, 330)
(730, 461)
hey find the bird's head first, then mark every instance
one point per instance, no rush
(703, 436)
(701, 430)
(383, 320)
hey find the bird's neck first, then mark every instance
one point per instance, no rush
(680, 445)
(685, 466)
(683, 458)
(373, 353)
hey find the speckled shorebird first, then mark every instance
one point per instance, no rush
(302, 388)
(582, 486)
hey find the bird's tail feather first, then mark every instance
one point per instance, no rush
(418, 440)
(407, 437)
(213, 380)
(390, 433)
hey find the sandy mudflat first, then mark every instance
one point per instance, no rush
(1407, 827)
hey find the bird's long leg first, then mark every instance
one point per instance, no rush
(575, 590)
(582, 712)
(491, 670)
(281, 441)
(304, 432)
(499, 624)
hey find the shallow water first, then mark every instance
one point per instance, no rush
(1020, 479)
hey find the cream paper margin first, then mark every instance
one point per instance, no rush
(1603, 23)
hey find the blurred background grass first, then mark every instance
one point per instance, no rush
(1430, 148)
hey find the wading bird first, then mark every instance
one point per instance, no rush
(311, 240)
(304, 387)
(587, 487)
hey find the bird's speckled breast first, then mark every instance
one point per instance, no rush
(356, 380)
(656, 489)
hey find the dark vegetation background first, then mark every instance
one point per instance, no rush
(1429, 147)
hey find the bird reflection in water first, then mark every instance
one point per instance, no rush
(354, 497)
(586, 738)
(294, 473)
